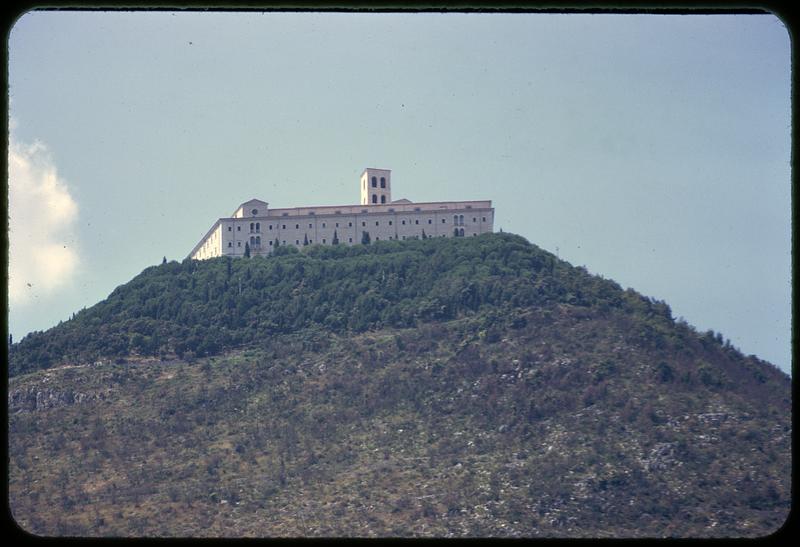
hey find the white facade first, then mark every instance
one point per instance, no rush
(256, 226)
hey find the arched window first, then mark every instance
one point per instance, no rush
(461, 232)
(258, 226)
(252, 241)
(461, 221)
(251, 226)
(383, 182)
(258, 241)
(374, 182)
(383, 199)
(374, 198)
(455, 220)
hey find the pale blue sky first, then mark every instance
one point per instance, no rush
(653, 149)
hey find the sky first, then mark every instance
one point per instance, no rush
(652, 149)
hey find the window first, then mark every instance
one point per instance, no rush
(252, 241)
(323, 224)
(417, 209)
(270, 226)
(229, 228)
(323, 241)
(383, 199)
(337, 224)
(254, 211)
(404, 222)
(238, 243)
(349, 239)
(377, 238)
(484, 219)
(270, 243)
(284, 226)
(230, 244)
(444, 221)
(258, 241)
(390, 223)
(363, 223)
(474, 219)
(296, 226)
(297, 242)
(374, 198)
(238, 228)
(377, 223)
(349, 224)
(461, 220)
(258, 226)
(374, 182)
(416, 221)
(430, 221)
(383, 182)
(309, 225)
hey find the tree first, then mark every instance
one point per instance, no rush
(305, 240)
(365, 239)
(164, 260)
(277, 243)
(246, 250)
(335, 238)
(423, 235)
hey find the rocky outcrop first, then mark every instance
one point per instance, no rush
(38, 398)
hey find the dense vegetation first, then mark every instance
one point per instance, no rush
(448, 387)
(199, 308)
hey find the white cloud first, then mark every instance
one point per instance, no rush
(42, 216)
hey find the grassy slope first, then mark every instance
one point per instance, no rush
(552, 420)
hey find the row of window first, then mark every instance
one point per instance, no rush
(375, 182)
(255, 227)
(255, 242)
(375, 198)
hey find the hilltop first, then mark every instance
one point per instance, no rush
(447, 387)
(204, 307)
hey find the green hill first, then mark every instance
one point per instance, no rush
(205, 307)
(447, 387)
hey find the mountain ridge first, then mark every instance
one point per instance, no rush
(483, 388)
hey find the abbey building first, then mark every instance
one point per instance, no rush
(257, 228)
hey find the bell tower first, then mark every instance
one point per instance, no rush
(376, 186)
